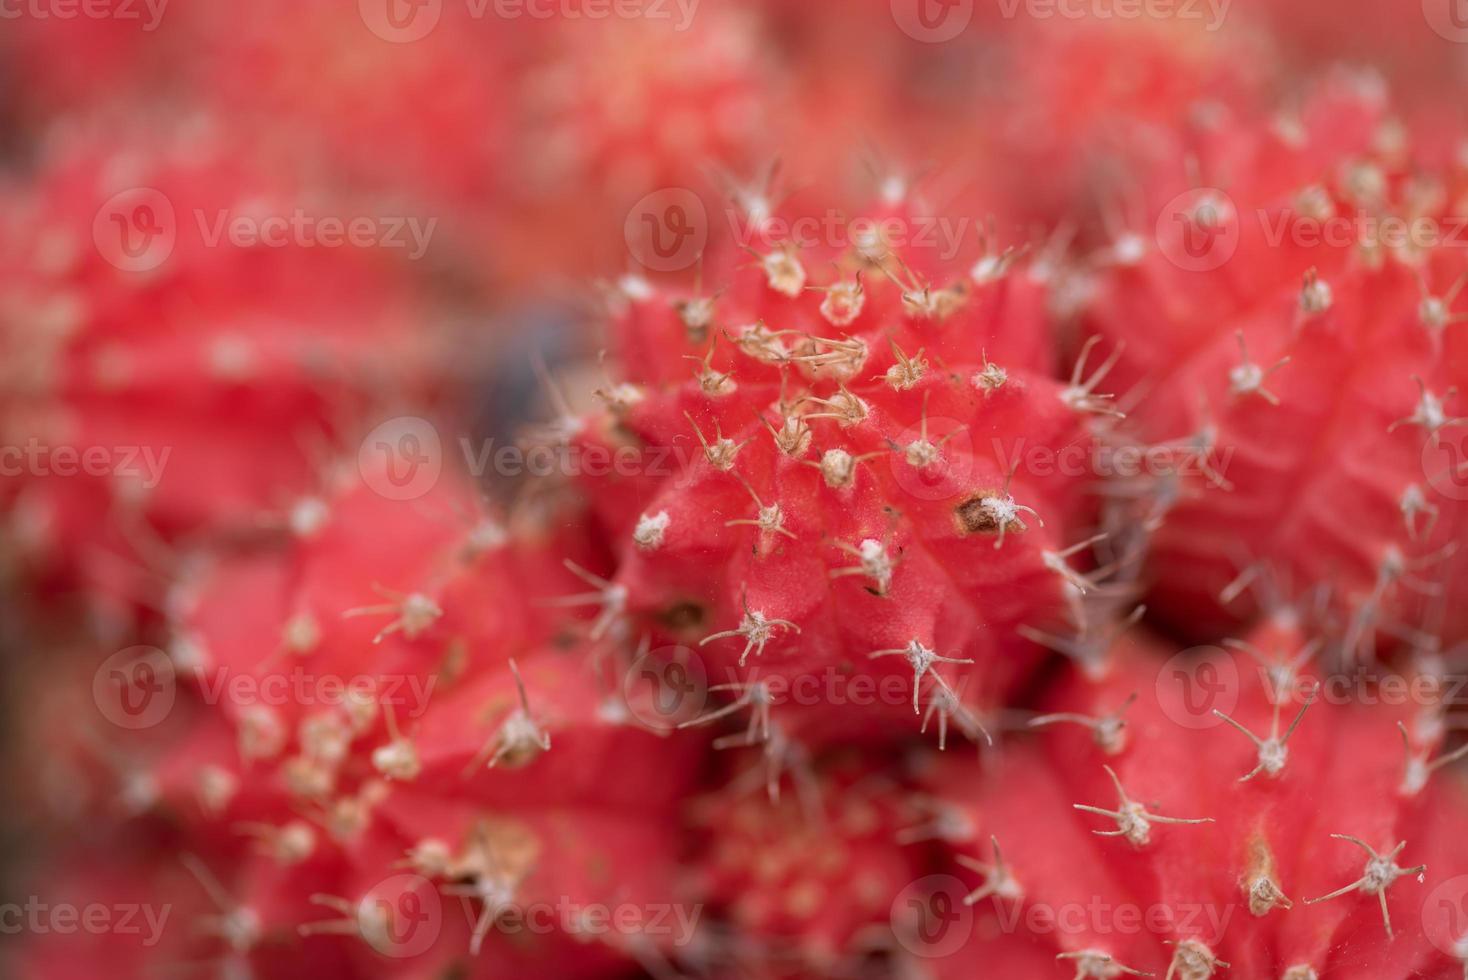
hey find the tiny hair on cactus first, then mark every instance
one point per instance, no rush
(756, 630)
(1273, 751)
(414, 613)
(519, 738)
(1133, 820)
(922, 660)
(1381, 873)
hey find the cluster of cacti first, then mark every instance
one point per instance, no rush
(1044, 566)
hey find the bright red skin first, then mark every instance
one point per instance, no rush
(953, 591)
(1317, 480)
(242, 364)
(1343, 774)
(600, 840)
(803, 888)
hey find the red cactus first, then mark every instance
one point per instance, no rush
(341, 770)
(808, 883)
(843, 479)
(852, 480)
(1241, 348)
(210, 375)
(1215, 809)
